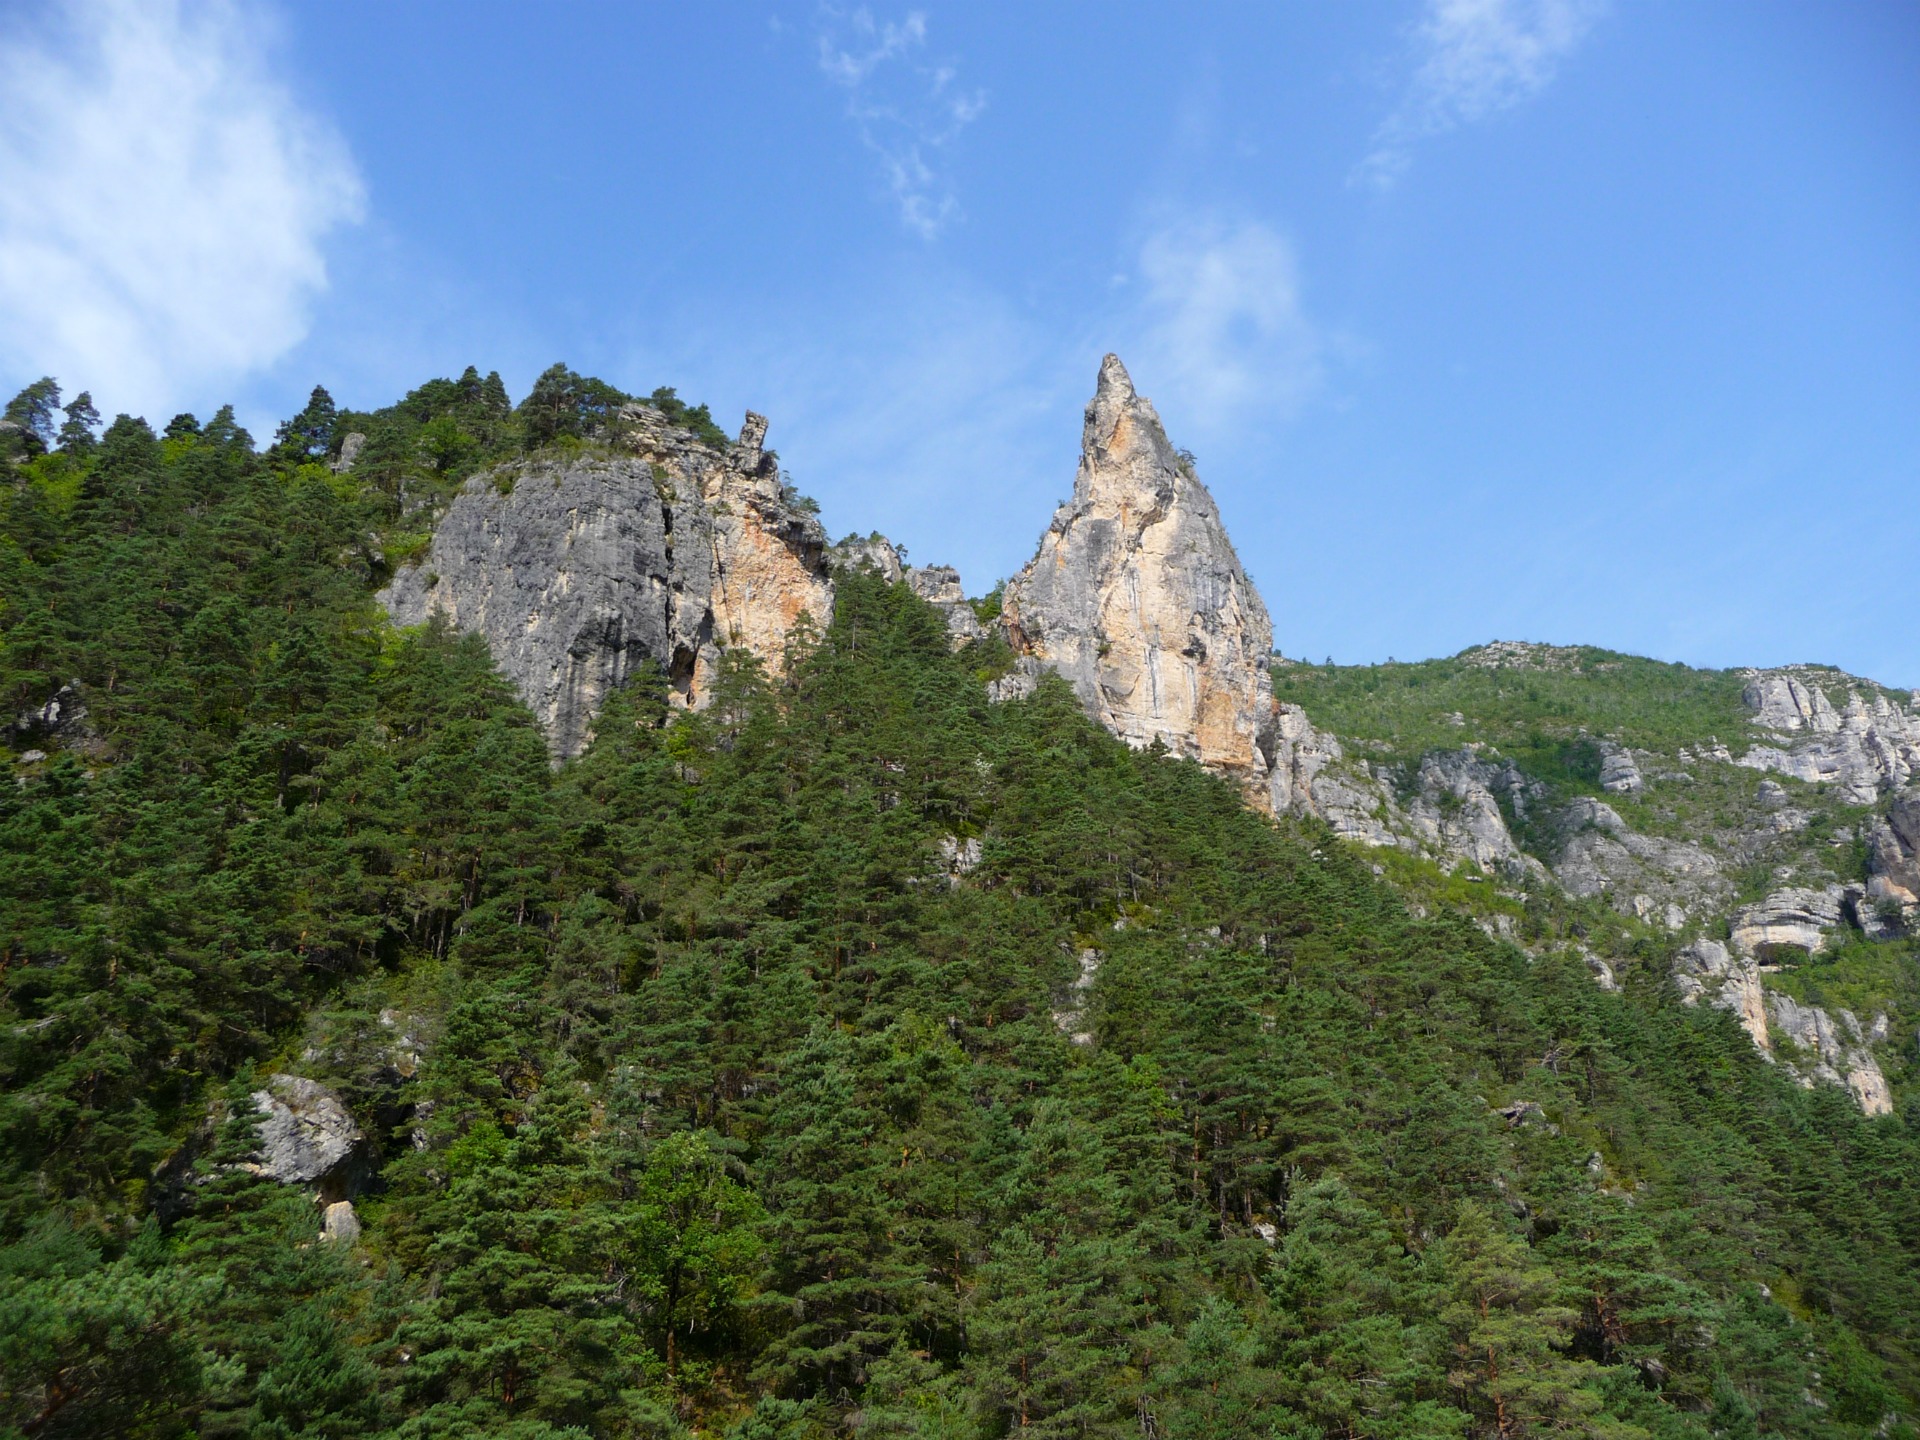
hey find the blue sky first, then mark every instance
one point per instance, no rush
(1543, 319)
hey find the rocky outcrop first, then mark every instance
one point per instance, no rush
(61, 720)
(578, 569)
(1864, 749)
(1619, 772)
(1658, 880)
(1137, 599)
(871, 552)
(1071, 1018)
(1310, 776)
(1706, 969)
(306, 1134)
(351, 445)
(1455, 808)
(939, 586)
(1892, 900)
(1831, 1048)
(1794, 919)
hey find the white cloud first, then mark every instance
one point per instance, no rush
(906, 111)
(1476, 57)
(163, 200)
(1220, 323)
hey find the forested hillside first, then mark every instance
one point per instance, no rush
(715, 1084)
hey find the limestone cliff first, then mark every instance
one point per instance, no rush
(1137, 599)
(576, 569)
(1833, 1048)
(1866, 747)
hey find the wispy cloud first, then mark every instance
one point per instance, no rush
(1473, 59)
(1220, 321)
(163, 200)
(906, 109)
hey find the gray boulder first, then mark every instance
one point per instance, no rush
(1619, 774)
(306, 1133)
(338, 1224)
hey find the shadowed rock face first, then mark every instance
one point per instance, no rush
(1137, 599)
(576, 570)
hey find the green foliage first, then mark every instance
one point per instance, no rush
(30, 414)
(1541, 714)
(563, 404)
(696, 418)
(702, 1097)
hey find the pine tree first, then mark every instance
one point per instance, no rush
(1507, 1335)
(836, 1273)
(76, 431)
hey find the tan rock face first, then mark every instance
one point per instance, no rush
(1137, 599)
(769, 560)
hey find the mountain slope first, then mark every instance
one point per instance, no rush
(729, 1077)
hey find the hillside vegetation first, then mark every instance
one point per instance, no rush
(711, 1085)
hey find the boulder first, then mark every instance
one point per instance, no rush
(338, 1224)
(1619, 773)
(306, 1133)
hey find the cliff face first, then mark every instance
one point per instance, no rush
(1865, 748)
(1137, 599)
(576, 570)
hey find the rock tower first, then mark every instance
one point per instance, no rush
(1137, 599)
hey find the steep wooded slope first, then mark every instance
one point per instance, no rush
(730, 1079)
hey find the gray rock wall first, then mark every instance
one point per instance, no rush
(577, 569)
(1867, 748)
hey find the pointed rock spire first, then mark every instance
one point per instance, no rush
(1137, 599)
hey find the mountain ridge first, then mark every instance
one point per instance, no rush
(1136, 598)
